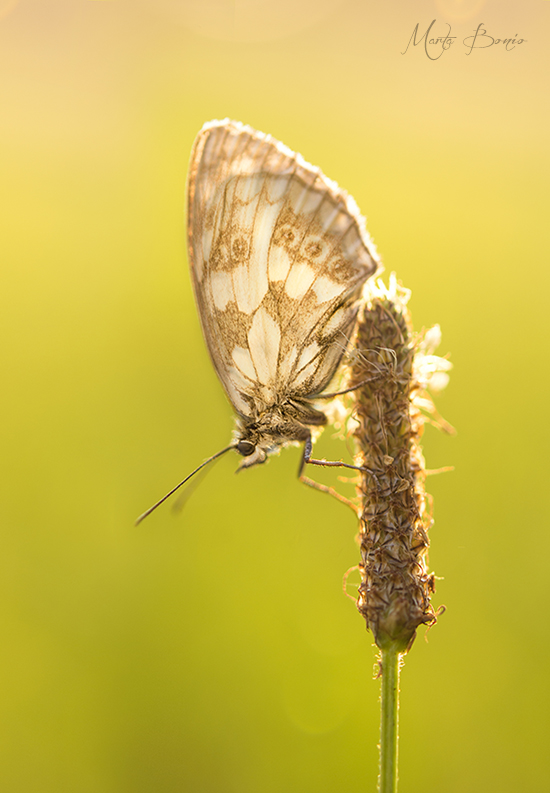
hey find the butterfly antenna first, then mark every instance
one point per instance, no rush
(185, 494)
(187, 478)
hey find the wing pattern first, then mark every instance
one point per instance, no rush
(278, 255)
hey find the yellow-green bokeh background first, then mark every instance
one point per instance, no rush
(215, 651)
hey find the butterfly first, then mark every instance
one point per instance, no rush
(278, 255)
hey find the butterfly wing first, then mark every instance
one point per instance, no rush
(278, 256)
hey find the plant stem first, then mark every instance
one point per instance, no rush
(389, 720)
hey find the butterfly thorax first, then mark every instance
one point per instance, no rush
(276, 426)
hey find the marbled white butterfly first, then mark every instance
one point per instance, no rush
(278, 255)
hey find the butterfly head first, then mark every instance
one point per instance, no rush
(252, 454)
(275, 427)
(249, 445)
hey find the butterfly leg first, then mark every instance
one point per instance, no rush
(346, 390)
(330, 490)
(306, 458)
(309, 460)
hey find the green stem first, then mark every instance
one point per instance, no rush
(389, 721)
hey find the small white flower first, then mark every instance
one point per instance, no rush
(438, 381)
(336, 413)
(431, 370)
(394, 291)
(431, 340)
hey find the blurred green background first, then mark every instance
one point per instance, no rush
(215, 650)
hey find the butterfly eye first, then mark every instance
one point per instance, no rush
(246, 448)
